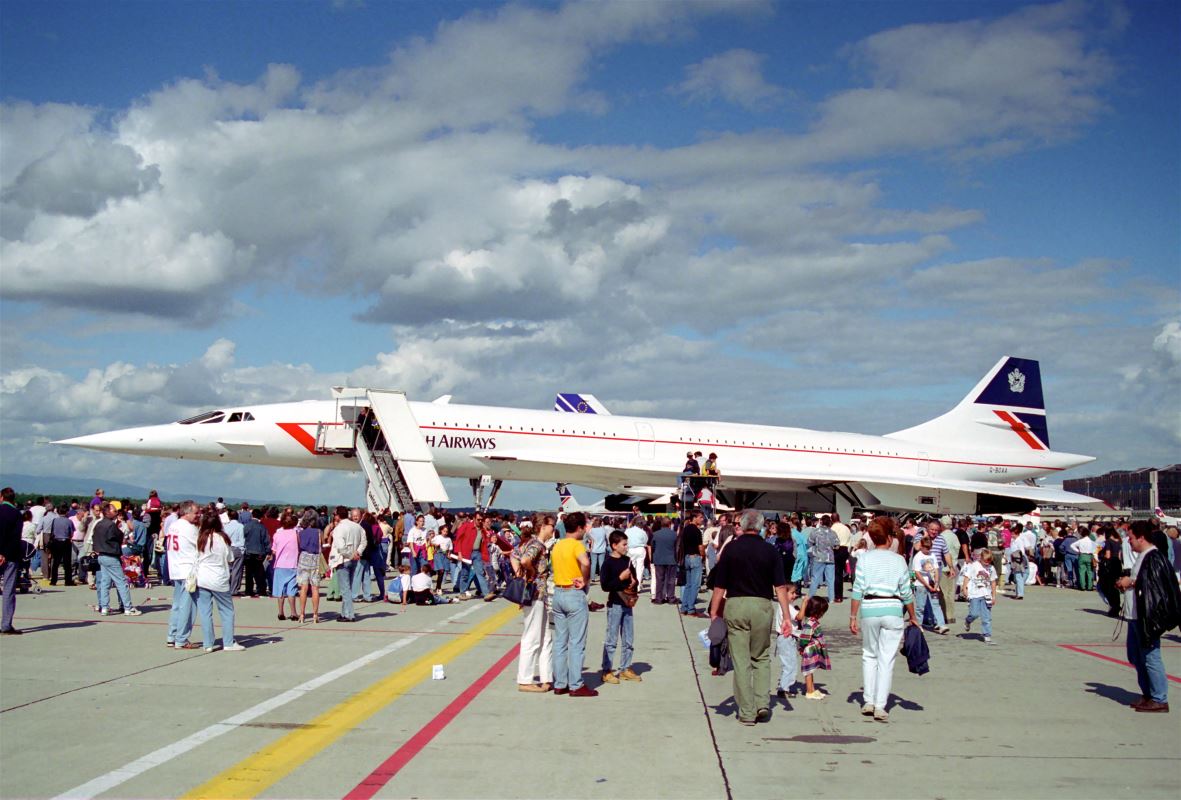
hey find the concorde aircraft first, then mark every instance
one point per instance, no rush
(981, 457)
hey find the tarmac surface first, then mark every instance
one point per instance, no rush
(97, 707)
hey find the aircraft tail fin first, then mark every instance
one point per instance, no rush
(579, 403)
(1006, 410)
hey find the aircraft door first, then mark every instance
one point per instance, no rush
(924, 464)
(646, 440)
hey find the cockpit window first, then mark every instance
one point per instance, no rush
(235, 417)
(214, 418)
(208, 416)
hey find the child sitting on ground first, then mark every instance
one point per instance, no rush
(810, 642)
(399, 588)
(420, 588)
(786, 647)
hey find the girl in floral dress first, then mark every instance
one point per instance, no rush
(810, 641)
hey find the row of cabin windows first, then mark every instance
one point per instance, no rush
(522, 429)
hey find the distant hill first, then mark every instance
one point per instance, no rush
(84, 487)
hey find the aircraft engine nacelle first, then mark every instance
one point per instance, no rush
(945, 501)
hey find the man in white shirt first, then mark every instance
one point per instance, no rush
(38, 510)
(432, 521)
(637, 549)
(181, 546)
(348, 543)
(1085, 548)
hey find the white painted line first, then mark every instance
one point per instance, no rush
(116, 777)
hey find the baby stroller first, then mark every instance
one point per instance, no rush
(133, 569)
(24, 577)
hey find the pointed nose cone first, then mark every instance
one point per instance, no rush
(129, 440)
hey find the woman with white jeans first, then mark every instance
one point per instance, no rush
(530, 559)
(881, 591)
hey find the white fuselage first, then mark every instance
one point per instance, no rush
(612, 452)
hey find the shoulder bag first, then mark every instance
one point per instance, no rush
(520, 591)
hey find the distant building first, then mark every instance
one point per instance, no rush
(1140, 489)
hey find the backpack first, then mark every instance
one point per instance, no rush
(1017, 558)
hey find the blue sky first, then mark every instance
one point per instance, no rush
(855, 207)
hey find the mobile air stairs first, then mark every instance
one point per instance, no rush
(378, 428)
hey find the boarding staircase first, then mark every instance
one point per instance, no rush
(379, 429)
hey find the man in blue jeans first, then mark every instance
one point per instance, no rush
(471, 543)
(822, 545)
(1152, 603)
(108, 546)
(570, 567)
(693, 551)
(596, 543)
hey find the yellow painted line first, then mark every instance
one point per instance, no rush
(258, 772)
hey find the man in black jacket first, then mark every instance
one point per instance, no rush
(108, 546)
(11, 553)
(258, 544)
(1152, 606)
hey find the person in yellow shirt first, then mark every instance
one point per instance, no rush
(570, 567)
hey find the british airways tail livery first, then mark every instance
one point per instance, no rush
(980, 457)
(1005, 410)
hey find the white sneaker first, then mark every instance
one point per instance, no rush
(881, 716)
(988, 640)
(234, 648)
(867, 710)
(132, 612)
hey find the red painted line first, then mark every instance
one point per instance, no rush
(296, 431)
(1077, 649)
(377, 779)
(732, 446)
(1110, 644)
(307, 627)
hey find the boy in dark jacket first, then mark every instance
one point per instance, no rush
(615, 578)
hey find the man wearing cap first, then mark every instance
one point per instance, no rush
(748, 573)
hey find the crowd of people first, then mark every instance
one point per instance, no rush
(765, 575)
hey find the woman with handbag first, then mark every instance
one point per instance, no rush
(622, 593)
(530, 560)
(307, 565)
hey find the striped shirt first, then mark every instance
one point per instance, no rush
(884, 576)
(939, 549)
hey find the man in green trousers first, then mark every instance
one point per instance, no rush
(748, 573)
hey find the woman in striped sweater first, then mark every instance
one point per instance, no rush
(881, 592)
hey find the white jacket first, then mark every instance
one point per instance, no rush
(348, 538)
(182, 549)
(213, 565)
